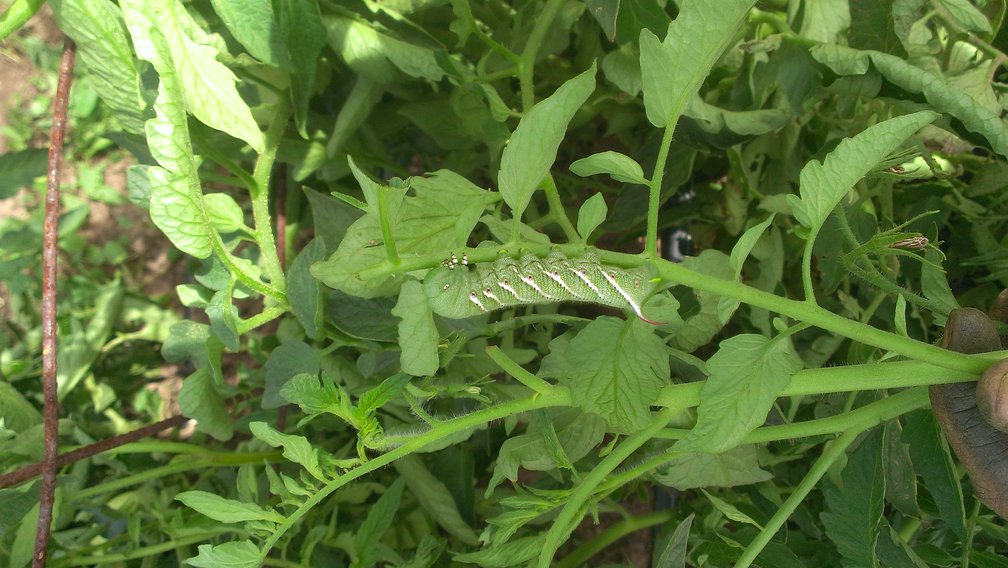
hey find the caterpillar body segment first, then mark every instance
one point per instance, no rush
(459, 290)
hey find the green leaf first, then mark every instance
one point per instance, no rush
(434, 497)
(853, 511)
(76, 357)
(592, 213)
(295, 448)
(17, 413)
(746, 375)
(673, 70)
(376, 397)
(533, 146)
(673, 553)
(241, 554)
(502, 230)
(362, 319)
(621, 367)
(934, 464)
(251, 22)
(729, 127)
(901, 481)
(200, 401)
(379, 519)
(967, 15)
(427, 552)
(620, 166)
(226, 510)
(826, 20)
(418, 338)
(824, 183)
(290, 359)
(305, 391)
(605, 14)
(362, 99)
(577, 433)
(622, 68)
(102, 45)
(17, 504)
(935, 286)
(737, 466)
(331, 218)
(191, 341)
(943, 96)
(701, 327)
(303, 291)
(167, 36)
(893, 550)
(731, 511)
(224, 213)
(176, 202)
(19, 169)
(138, 185)
(304, 36)
(746, 243)
(440, 218)
(376, 55)
(510, 553)
(872, 27)
(223, 316)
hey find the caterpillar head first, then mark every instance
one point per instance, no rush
(442, 284)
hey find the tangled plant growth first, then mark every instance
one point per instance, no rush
(381, 362)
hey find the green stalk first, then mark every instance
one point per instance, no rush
(532, 45)
(879, 412)
(654, 192)
(221, 459)
(677, 274)
(874, 412)
(577, 502)
(261, 196)
(467, 15)
(557, 210)
(436, 434)
(16, 15)
(391, 253)
(145, 551)
(819, 469)
(810, 313)
(613, 533)
(266, 316)
(521, 375)
(806, 267)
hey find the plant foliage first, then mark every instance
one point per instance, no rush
(838, 168)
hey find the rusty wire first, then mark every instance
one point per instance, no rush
(49, 255)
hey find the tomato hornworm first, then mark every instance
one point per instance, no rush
(458, 290)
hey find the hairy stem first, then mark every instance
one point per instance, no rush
(577, 502)
(261, 196)
(543, 26)
(558, 397)
(654, 192)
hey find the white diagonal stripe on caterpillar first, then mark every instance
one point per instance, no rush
(581, 274)
(626, 296)
(488, 292)
(466, 290)
(506, 285)
(554, 275)
(475, 299)
(531, 283)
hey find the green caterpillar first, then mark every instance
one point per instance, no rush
(460, 291)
